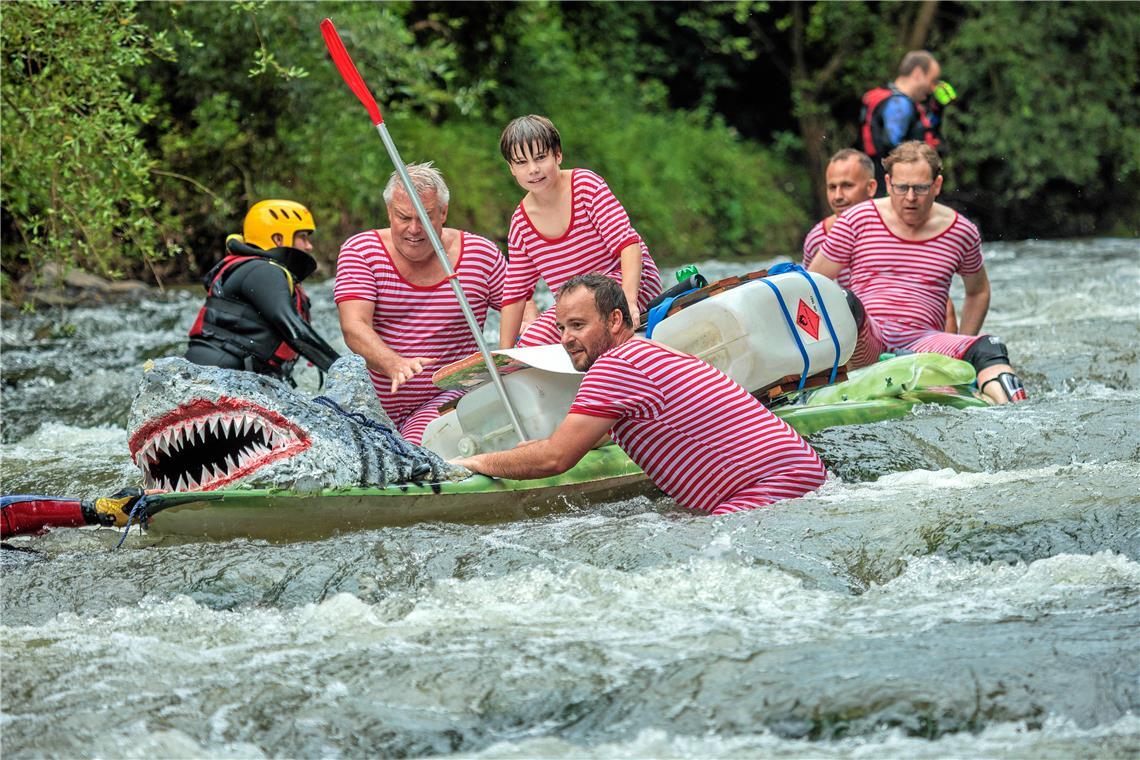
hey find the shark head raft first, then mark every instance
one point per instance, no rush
(195, 428)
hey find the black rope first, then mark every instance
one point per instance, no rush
(393, 438)
(389, 434)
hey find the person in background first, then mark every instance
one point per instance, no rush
(698, 435)
(851, 180)
(909, 108)
(902, 252)
(256, 315)
(569, 223)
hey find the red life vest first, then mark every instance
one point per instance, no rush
(278, 356)
(872, 100)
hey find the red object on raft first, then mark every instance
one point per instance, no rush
(31, 514)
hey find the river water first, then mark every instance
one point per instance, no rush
(966, 584)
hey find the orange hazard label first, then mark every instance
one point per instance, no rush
(808, 320)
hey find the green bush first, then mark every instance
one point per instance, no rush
(1046, 140)
(77, 178)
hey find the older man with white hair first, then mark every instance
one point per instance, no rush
(397, 308)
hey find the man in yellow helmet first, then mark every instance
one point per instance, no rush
(256, 316)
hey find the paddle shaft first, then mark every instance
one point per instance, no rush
(355, 83)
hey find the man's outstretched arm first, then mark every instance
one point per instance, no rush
(576, 435)
(361, 338)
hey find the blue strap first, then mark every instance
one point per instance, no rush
(790, 267)
(792, 327)
(660, 311)
(138, 507)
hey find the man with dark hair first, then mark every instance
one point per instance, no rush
(902, 253)
(904, 110)
(699, 436)
(850, 179)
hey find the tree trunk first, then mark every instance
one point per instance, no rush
(812, 128)
(922, 23)
(814, 134)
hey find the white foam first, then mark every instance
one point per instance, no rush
(139, 743)
(934, 590)
(1056, 738)
(887, 487)
(56, 436)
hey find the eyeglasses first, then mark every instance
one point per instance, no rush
(901, 189)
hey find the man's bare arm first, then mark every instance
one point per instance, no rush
(576, 435)
(825, 266)
(977, 302)
(510, 323)
(361, 338)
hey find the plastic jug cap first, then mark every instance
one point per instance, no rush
(686, 272)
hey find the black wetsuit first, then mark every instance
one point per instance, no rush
(255, 318)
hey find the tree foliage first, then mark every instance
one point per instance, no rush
(1047, 138)
(77, 178)
(130, 130)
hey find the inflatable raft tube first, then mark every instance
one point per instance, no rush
(889, 391)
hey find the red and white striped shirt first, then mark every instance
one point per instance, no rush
(812, 243)
(903, 284)
(416, 320)
(697, 434)
(599, 229)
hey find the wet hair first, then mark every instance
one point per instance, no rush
(608, 294)
(535, 132)
(916, 59)
(858, 155)
(913, 152)
(425, 178)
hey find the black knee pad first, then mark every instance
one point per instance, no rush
(987, 351)
(1011, 384)
(856, 309)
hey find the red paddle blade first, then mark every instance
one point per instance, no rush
(348, 70)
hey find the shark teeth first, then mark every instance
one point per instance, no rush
(208, 450)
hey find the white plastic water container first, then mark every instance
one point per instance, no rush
(480, 422)
(442, 435)
(743, 331)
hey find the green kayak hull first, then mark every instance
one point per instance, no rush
(885, 391)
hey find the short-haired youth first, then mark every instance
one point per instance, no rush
(608, 294)
(916, 59)
(531, 132)
(425, 178)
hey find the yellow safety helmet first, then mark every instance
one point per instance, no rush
(268, 218)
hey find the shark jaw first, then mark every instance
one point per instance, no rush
(205, 445)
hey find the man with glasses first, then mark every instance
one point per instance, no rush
(902, 252)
